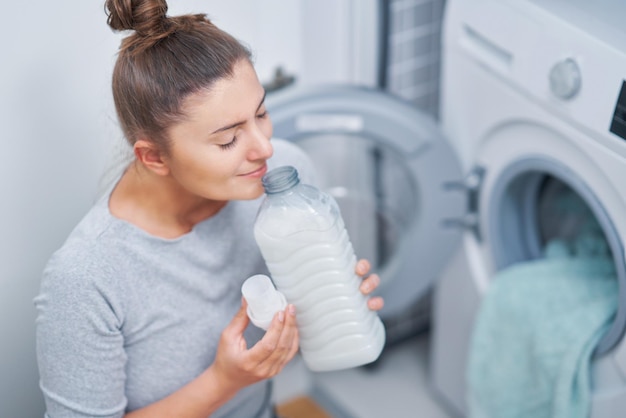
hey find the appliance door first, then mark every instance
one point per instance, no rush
(528, 168)
(386, 164)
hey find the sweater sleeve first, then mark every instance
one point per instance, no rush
(80, 349)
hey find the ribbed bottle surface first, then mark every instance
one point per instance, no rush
(311, 260)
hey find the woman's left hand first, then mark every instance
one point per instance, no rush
(369, 284)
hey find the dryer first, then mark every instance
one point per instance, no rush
(533, 93)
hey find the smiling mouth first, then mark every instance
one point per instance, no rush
(259, 172)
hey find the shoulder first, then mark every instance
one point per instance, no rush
(288, 153)
(82, 286)
(86, 262)
(79, 266)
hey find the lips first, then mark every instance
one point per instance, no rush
(258, 173)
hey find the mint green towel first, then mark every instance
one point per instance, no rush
(536, 331)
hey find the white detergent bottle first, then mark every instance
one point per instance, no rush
(304, 242)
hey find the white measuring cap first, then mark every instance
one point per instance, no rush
(263, 300)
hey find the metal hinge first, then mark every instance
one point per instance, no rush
(471, 184)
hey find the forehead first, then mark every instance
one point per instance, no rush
(228, 95)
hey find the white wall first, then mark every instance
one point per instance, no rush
(57, 127)
(55, 113)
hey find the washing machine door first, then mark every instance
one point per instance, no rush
(387, 165)
(540, 185)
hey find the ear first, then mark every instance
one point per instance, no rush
(151, 156)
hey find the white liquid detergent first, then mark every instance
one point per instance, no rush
(303, 239)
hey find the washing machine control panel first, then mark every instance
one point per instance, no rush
(618, 124)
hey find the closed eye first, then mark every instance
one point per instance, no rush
(229, 145)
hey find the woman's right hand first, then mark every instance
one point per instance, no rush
(237, 366)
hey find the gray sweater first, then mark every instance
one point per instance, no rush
(126, 318)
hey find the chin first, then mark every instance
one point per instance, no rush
(252, 193)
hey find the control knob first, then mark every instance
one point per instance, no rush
(565, 79)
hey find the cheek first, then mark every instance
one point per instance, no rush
(203, 167)
(267, 127)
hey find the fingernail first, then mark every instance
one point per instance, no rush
(292, 309)
(366, 287)
(281, 316)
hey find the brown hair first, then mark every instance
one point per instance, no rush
(165, 60)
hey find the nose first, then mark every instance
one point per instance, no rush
(261, 148)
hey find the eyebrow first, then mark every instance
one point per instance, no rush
(233, 125)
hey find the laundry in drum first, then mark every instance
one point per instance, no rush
(531, 348)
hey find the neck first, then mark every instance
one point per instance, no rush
(158, 204)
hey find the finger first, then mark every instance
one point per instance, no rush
(293, 350)
(289, 336)
(362, 267)
(369, 284)
(266, 346)
(376, 303)
(295, 345)
(239, 322)
(287, 344)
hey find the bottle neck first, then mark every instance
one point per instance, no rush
(280, 180)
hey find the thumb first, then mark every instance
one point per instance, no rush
(240, 321)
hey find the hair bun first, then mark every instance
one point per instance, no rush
(146, 17)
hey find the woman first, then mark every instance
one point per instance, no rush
(140, 312)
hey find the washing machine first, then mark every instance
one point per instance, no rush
(533, 94)
(381, 154)
(384, 162)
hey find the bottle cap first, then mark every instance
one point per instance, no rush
(263, 300)
(280, 179)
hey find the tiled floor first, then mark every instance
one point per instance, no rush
(395, 386)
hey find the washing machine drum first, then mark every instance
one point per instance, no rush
(384, 162)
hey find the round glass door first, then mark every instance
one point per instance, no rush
(374, 189)
(386, 164)
(537, 201)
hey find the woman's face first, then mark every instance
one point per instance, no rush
(219, 151)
